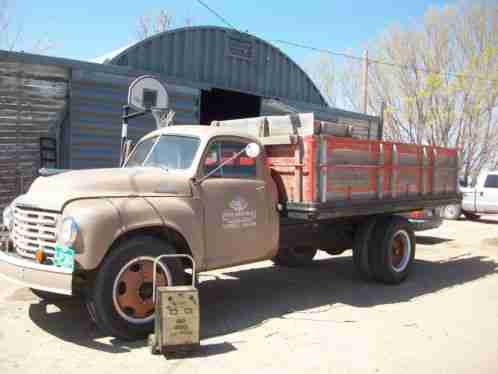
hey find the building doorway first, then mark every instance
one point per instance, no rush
(219, 105)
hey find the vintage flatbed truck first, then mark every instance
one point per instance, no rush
(235, 192)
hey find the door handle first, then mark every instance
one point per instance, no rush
(260, 188)
(481, 194)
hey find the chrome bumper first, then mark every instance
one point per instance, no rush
(41, 277)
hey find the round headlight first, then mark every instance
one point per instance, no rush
(8, 217)
(69, 231)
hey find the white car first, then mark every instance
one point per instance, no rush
(477, 200)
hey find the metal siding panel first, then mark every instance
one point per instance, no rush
(276, 75)
(261, 63)
(33, 98)
(169, 45)
(270, 71)
(188, 62)
(97, 99)
(156, 54)
(200, 55)
(206, 54)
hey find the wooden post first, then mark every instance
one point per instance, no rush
(365, 81)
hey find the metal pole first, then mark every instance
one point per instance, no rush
(124, 134)
(380, 133)
(365, 81)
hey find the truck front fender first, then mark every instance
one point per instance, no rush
(103, 221)
(99, 225)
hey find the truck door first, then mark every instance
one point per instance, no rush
(487, 195)
(236, 218)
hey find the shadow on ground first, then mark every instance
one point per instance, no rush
(487, 221)
(251, 296)
(431, 240)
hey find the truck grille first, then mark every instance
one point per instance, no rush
(34, 229)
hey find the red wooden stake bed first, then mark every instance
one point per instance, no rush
(320, 175)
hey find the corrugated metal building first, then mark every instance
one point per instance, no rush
(211, 73)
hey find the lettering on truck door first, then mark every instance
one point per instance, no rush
(236, 215)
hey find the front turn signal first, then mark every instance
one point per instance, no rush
(40, 256)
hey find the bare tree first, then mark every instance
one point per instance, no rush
(10, 32)
(322, 72)
(445, 92)
(149, 24)
(12, 36)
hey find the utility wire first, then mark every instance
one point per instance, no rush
(374, 61)
(217, 15)
(346, 55)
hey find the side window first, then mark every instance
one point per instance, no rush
(220, 151)
(491, 181)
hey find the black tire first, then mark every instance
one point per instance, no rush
(471, 216)
(100, 300)
(50, 296)
(452, 212)
(361, 248)
(382, 244)
(294, 257)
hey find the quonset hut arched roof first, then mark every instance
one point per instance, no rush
(217, 57)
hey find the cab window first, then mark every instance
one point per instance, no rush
(220, 151)
(491, 181)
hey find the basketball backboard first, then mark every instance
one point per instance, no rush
(147, 92)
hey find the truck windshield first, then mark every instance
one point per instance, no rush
(167, 152)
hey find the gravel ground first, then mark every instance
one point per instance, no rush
(258, 318)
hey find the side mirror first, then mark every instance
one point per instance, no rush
(253, 150)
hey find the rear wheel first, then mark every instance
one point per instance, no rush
(121, 299)
(362, 247)
(393, 250)
(452, 212)
(294, 257)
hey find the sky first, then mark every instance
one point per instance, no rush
(88, 29)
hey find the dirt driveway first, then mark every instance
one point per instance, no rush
(443, 319)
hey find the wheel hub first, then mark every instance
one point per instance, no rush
(400, 251)
(133, 289)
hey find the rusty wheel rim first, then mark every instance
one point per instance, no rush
(401, 249)
(133, 289)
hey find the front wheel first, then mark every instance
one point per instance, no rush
(121, 299)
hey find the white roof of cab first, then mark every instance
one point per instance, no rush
(201, 131)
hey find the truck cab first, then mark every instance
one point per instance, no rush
(483, 197)
(183, 189)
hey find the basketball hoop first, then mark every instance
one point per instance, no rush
(163, 116)
(146, 94)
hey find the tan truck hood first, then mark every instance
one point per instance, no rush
(53, 192)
